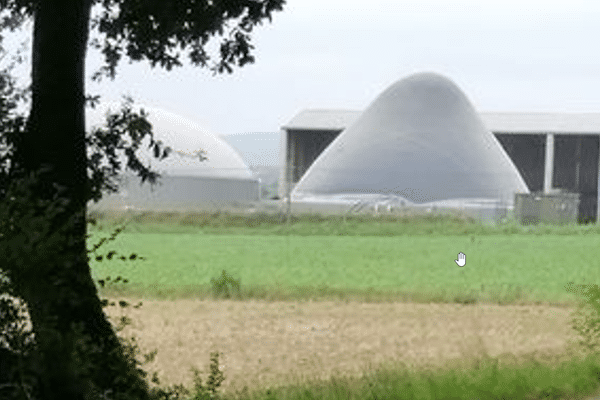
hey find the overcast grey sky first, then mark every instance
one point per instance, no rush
(506, 55)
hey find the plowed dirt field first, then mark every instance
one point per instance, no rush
(266, 343)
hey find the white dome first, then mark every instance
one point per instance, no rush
(185, 137)
(420, 140)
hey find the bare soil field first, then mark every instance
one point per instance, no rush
(270, 343)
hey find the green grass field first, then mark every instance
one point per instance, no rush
(378, 259)
(335, 257)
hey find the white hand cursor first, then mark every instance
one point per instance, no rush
(462, 260)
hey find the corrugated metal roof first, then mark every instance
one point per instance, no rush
(322, 119)
(497, 122)
(566, 123)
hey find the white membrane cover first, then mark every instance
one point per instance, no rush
(186, 182)
(185, 137)
(421, 140)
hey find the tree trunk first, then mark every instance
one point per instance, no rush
(61, 293)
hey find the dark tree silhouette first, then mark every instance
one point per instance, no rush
(53, 276)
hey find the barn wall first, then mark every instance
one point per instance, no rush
(576, 170)
(308, 146)
(527, 152)
(575, 165)
(302, 148)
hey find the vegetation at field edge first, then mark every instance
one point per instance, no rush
(314, 224)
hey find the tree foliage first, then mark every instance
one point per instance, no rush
(157, 30)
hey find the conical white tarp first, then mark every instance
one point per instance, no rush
(421, 140)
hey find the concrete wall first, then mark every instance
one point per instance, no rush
(189, 193)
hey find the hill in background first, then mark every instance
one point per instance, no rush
(260, 151)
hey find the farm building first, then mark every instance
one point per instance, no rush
(220, 181)
(421, 143)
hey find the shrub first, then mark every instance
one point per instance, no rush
(586, 319)
(200, 391)
(224, 285)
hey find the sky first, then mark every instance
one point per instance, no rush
(518, 56)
